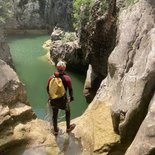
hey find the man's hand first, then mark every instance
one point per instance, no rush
(69, 99)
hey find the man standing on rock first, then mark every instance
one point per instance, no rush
(57, 87)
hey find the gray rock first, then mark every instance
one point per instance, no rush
(130, 85)
(41, 14)
(98, 40)
(67, 49)
(11, 89)
(4, 50)
(59, 13)
(27, 15)
(57, 34)
(144, 142)
(91, 85)
(14, 107)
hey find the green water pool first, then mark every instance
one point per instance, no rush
(34, 70)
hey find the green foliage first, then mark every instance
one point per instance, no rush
(81, 12)
(104, 6)
(5, 10)
(68, 36)
(131, 2)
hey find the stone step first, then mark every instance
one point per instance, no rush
(10, 116)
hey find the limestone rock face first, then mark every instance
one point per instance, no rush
(65, 46)
(144, 142)
(13, 104)
(4, 50)
(28, 15)
(95, 130)
(59, 13)
(129, 86)
(91, 84)
(98, 41)
(41, 14)
(10, 87)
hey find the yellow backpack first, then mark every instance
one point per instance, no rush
(56, 88)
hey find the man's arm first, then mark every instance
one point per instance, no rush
(69, 85)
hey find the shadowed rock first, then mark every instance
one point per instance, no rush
(4, 50)
(97, 41)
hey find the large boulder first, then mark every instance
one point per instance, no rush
(95, 130)
(129, 86)
(13, 104)
(65, 46)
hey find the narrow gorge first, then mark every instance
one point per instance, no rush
(117, 45)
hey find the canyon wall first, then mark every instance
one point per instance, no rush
(41, 14)
(97, 41)
(129, 86)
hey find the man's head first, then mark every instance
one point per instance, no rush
(61, 66)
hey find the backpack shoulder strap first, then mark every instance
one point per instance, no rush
(63, 80)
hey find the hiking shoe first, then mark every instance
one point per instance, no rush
(72, 126)
(55, 133)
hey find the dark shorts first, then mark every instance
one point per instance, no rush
(60, 103)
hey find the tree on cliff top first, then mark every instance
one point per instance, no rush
(5, 11)
(81, 12)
